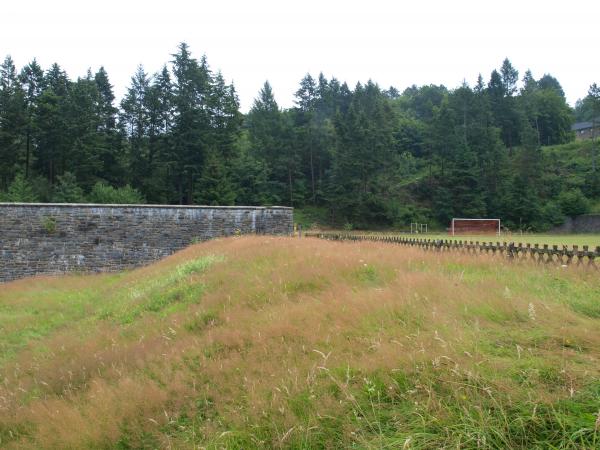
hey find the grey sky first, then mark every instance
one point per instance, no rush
(392, 42)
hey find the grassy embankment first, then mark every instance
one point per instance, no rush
(261, 342)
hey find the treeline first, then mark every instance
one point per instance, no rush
(362, 156)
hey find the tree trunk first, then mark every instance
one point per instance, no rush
(27, 154)
(290, 186)
(312, 177)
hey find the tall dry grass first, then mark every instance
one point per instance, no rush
(300, 343)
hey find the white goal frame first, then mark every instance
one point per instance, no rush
(476, 220)
(416, 227)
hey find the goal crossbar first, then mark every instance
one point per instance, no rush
(478, 229)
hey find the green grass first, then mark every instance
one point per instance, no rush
(259, 342)
(30, 317)
(591, 240)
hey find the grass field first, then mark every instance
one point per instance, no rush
(261, 342)
(591, 240)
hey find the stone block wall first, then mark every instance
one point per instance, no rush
(56, 238)
(586, 223)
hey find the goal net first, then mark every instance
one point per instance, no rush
(475, 226)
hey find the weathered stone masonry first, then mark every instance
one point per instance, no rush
(55, 238)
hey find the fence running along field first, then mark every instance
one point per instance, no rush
(539, 253)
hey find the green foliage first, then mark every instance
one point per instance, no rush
(403, 215)
(103, 193)
(20, 191)
(49, 224)
(67, 190)
(368, 156)
(202, 321)
(573, 203)
(311, 216)
(214, 186)
(552, 215)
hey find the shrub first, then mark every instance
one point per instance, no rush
(67, 190)
(20, 191)
(551, 215)
(573, 203)
(103, 193)
(49, 224)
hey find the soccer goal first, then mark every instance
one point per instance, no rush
(418, 227)
(475, 226)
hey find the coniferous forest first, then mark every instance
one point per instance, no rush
(360, 156)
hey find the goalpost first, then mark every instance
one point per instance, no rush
(475, 226)
(418, 227)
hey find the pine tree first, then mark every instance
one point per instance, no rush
(251, 176)
(54, 139)
(52, 123)
(363, 157)
(110, 139)
(265, 124)
(193, 135)
(135, 118)
(306, 94)
(551, 83)
(501, 88)
(13, 120)
(83, 155)
(67, 190)
(214, 185)
(20, 191)
(159, 101)
(510, 76)
(32, 79)
(464, 183)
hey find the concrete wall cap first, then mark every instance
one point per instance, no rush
(106, 205)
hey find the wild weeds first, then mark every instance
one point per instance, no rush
(287, 343)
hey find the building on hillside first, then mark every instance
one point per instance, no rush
(587, 130)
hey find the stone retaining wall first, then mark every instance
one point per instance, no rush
(55, 238)
(586, 223)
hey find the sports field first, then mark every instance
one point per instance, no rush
(591, 240)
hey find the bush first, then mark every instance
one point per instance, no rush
(19, 191)
(551, 215)
(573, 203)
(49, 224)
(103, 193)
(402, 215)
(41, 188)
(67, 190)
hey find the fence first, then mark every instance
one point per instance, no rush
(539, 253)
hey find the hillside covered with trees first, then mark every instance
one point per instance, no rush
(360, 156)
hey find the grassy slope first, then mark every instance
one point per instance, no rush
(256, 341)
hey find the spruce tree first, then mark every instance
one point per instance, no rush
(135, 118)
(13, 120)
(267, 133)
(67, 190)
(32, 80)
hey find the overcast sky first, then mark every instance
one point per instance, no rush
(392, 42)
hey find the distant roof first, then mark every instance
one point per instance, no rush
(581, 126)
